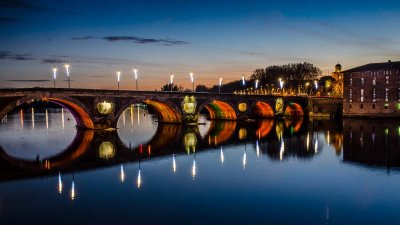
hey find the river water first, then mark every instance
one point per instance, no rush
(286, 171)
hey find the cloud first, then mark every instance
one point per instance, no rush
(134, 39)
(140, 40)
(31, 80)
(14, 56)
(82, 38)
(53, 61)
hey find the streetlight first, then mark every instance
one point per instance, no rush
(220, 84)
(256, 84)
(281, 84)
(135, 72)
(192, 79)
(171, 79)
(118, 77)
(67, 69)
(54, 75)
(316, 85)
(244, 84)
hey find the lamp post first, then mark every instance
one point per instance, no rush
(54, 76)
(118, 77)
(171, 79)
(135, 73)
(220, 84)
(192, 80)
(67, 70)
(281, 84)
(256, 84)
(244, 84)
(316, 86)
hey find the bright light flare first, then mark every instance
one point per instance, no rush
(54, 73)
(191, 77)
(171, 79)
(135, 72)
(118, 76)
(67, 68)
(220, 81)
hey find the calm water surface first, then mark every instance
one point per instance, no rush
(260, 172)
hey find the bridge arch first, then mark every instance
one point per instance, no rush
(77, 109)
(293, 109)
(165, 110)
(218, 109)
(262, 110)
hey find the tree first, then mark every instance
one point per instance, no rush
(167, 87)
(293, 74)
(201, 88)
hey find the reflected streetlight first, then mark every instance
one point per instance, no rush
(281, 150)
(192, 80)
(222, 156)
(220, 84)
(60, 185)
(135, 73)
(257, 149)
(122, 174)
(244, 160)
(118, 77)
(173, 163)
(67, 70)
(54, 75)
(73, 187)
(139, 178)
(171, 80)
(194, 167)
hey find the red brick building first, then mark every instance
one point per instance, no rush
(372, 90)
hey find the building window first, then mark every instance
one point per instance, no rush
(386, 106)
(387, 79)
(386, 94)
(351, 95)
(362, 95)
(351, 81)
(374, 95)
(374, 81)
(373, 106)
(362, 80)
(361, 106)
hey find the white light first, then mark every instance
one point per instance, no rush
(194, 168)
(222, 156)
(59, 183)
(244, 161)
(256, 84)
(139, 179)
(308, 141)
(173, 163)
(171, 78)
(243, 81)
(220, 81)
(118, 76)
(54, 73)
(316, 84)
(191, 77)
(257, 149)
(122, 174)
(282, 150)
(67, 68)
(135, 72)
(316, 146)
(73, 191)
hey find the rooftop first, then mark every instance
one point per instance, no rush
(375, 66)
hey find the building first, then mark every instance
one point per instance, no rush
(372, 90)
(337, 85)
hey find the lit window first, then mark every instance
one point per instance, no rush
(387, 79)
(351, 95)
(374, 81)
(362, 80)
(351, 81)
(386, 106)
(362, 95)
(374, 95)
(386, 94)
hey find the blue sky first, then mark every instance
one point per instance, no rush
(210, 38)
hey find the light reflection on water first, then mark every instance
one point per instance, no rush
(277, 172)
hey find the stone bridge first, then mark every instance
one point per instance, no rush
(101, 109)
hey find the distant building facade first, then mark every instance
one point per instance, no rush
(372, 90)
(337, 85)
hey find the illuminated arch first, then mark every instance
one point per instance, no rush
(220, 132)
(263, 110)
(294, 124)
(293, 109)
(76, 108)
(165, 113)
(264, 128)
(220, 110)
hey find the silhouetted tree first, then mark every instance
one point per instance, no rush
(167, 87)
(201, 88)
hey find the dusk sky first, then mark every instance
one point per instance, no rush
(210, 38)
